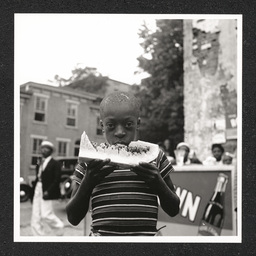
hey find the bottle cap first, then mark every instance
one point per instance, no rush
(223, 175)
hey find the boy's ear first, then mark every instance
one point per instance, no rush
(138, 122)
(101, 124)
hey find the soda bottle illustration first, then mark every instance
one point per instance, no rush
(213, 217)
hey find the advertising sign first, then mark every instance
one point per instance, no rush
(195, 189)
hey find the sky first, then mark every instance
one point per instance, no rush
(46, 45)
(50, 44)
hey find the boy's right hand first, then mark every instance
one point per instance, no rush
(98, 169)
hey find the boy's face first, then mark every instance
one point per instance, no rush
(120, 123)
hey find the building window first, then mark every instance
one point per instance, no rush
(71, 114)
(40, 109)
(36, 152)
(95, 116)
(62, 148)
(76, 148)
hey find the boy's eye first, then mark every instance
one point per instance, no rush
(110, 125)
(129, 124)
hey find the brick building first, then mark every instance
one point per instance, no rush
(210, 84)
(59, 115)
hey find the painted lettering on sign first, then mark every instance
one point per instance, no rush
(188, 205)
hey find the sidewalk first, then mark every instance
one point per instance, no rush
(59, 208)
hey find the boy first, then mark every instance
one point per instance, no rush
(124, 202)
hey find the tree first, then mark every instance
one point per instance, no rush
(161, 93)
(87, 79)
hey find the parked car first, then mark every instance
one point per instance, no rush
(67, 169)
(25, 190)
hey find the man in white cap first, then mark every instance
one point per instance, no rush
(183, 146)
(46, 189)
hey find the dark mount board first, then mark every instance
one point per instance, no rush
(8, 8)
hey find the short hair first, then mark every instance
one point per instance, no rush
(119, 97)
(218, 146)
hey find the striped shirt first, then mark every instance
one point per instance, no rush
(123, 204)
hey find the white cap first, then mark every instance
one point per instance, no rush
(229, 154)
(183, 144)
(47, 144)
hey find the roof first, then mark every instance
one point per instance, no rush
(65, 90)
(25, 94)
(116, 81)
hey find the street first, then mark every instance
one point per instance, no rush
(59, 208)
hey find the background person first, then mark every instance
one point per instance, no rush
(188, 158)
(227, 158)
(217, 153)
(46, 189)
(165, 146)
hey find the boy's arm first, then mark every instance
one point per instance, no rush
(168, 199)
(164, 187)
(78, 205)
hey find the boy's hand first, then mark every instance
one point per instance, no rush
(97, 169)
(149, 172)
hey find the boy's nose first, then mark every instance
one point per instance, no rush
(119, 131)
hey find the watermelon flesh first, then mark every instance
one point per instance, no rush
(137, 151)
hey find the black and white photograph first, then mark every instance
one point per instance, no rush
(128, 128)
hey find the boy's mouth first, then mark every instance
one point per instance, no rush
(120, 142)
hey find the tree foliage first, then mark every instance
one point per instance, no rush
(161, 93)
(87, 79)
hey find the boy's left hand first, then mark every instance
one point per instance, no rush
(149, 172)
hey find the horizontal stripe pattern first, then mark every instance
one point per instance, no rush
(78, 174)
(122, 203)
(135, 233)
